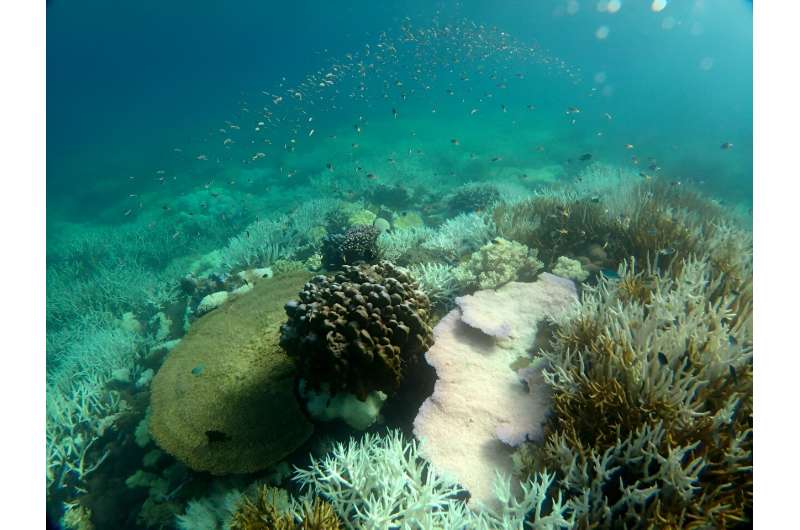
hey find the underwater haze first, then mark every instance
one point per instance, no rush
(296, 249)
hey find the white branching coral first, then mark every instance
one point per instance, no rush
(394, 245)
(381, 482)
(461, 234)
(261, 243)
(440, 281)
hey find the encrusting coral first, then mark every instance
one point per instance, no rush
(653, 410)
(357, 330)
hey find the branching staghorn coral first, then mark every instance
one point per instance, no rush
(652, 419)
(649, 220)
(441, 282)
(381, 482)
(394, 245)
(76, 419)
(461, 234)
(261, 243)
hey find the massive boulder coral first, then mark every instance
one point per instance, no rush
(481, 406)
(224, 399)
(357, 330)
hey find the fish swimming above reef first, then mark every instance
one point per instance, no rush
(585, 157)
(726, 146)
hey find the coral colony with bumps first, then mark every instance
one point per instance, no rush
(483, 351)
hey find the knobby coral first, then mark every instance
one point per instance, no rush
(358, 330)
(357, 244)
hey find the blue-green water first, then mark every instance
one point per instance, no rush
(172, 126)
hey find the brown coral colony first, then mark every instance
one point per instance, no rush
(358, 329)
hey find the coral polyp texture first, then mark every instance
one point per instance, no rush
(224, 401)
(357, 244)
(501, 261)
(652, 423)
(357, 330)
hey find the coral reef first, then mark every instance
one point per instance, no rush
(358, 414)
(570, 268)
(653, 409)
(272, 509)
(397, 244)
(468, 436)
(459, 235)
(502, 261)
(383, 482)
(358, 329)
(220, 393)
(357, 244)
(394, 196)
(473, 198)
(441, 282)
(361, 217)
(407, 220)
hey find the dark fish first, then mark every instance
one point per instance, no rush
(732, 371)
(584, 157)
(216, 436)
(662, 358)
(495, 159)
(726, 146)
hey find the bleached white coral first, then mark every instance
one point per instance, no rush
(440, 281)
(382, 482)
(463, 233)
(395, 244)
(261, 243)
